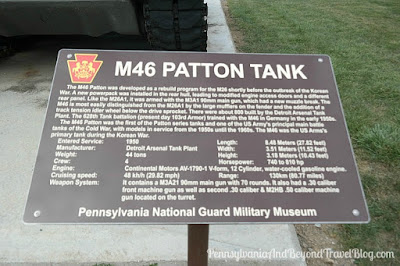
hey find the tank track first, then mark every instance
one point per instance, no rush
(6, 48)
(178, 25)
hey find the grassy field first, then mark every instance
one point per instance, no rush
(363, 39)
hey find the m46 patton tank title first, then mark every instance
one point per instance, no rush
(207, 70)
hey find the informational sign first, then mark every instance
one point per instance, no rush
(185, 138)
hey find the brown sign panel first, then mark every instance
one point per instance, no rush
(179, 138)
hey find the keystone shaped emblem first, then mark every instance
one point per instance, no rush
(84, 68)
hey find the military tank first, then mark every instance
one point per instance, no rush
(167, 24)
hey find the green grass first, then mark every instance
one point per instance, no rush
(381, 142)
(363, 39)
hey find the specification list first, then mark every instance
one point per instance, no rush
(140, 137)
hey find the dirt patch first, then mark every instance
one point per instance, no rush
(31, 73)
(317, 238)
(29, 82)
(26, 85)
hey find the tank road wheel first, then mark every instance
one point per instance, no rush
(176, 24)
